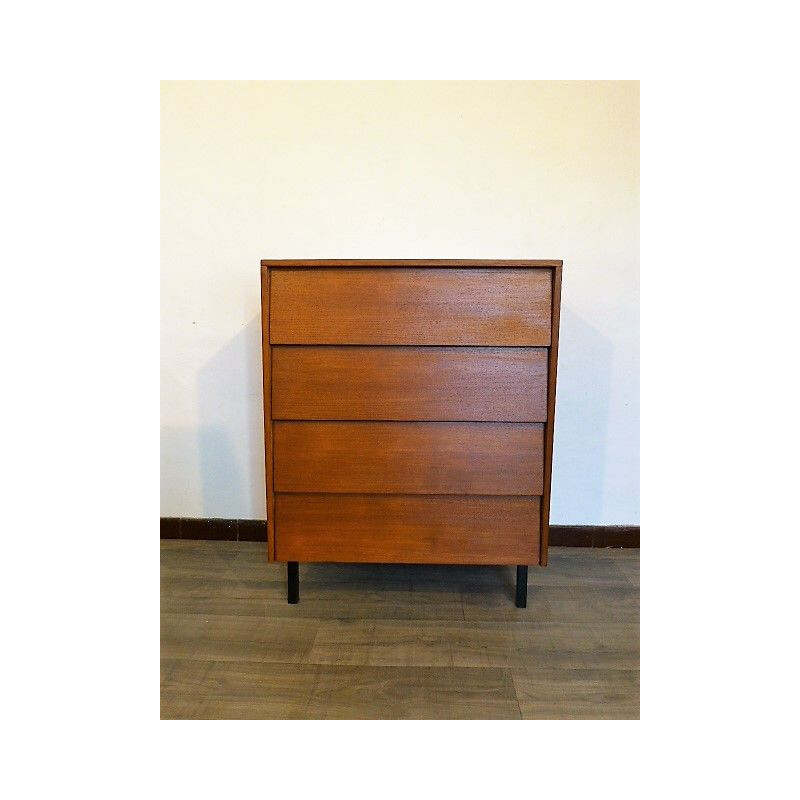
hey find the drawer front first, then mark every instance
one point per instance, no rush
(411, 530)
(409, 383)
(411, 306)
(409, 457)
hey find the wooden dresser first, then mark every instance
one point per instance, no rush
(408, 409)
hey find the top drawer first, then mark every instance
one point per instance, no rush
(411, 306)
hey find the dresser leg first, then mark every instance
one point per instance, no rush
(293, 571)
(522, 586)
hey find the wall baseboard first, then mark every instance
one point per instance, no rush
(255, 530)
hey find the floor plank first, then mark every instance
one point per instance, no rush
(231, 638)
(475, 644)
(577, 694)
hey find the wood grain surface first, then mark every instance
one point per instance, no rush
(409, 383)
(390, 641)
(404, 306)
(427, 377)
(407, 529)
(409, 457)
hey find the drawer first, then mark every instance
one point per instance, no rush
(409, 383)
(411, 530)
(409, 457)
(411, 306)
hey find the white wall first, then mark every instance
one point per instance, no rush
(256, 170)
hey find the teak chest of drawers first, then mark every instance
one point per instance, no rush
(408, 411)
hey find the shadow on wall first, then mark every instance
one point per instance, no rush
(231, 429)
(199, 462)
(227, 443)
(582, 408)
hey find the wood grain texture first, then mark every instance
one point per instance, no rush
(409, 383)
(408, 529)
(409, 457)
(549, 693)
(253, 690)
(551, 411)
(266, 363)
(391, 641)
(405, 306)
(234, 638)
(475, 644)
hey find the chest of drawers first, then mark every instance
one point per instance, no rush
(408, 411)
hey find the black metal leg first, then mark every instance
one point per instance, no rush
(293, 571)
(522, 586)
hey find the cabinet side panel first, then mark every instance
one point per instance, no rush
(266, 361)
(551, 413)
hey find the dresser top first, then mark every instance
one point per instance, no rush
(469, 263)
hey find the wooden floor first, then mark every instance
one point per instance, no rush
(391, 642)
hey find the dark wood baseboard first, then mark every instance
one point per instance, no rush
(594, 535)
(255, 530)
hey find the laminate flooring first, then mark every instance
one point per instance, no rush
(397, 641)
